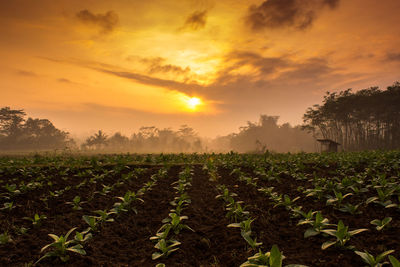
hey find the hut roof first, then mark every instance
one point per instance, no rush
(328, 141)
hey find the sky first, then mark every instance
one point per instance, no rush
(213, 65)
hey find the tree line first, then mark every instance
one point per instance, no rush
(18, 133)
(368, 119)
(363, 120)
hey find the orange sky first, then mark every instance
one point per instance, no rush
(119, 65)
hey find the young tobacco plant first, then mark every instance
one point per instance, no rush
(349, 208)
(245, 231)
(383, 198)
(76, 202)
(166, 247)
(318, 224)
(175, 222)
(236, 211)
(272, 258)
(381, 224)
(92, 221)
(286, 202)
(5, 238)
(374, 261)
(338, 199)
(61, 246)
(36, 219)
(342, 235)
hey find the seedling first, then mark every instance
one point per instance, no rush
(245, 231)
(8, 206)
(176, 223)
(82, 237)
(92, 221)
(317, 225)
(76, 202)
(104, 216)
(371, 260)
(61, 246)
(381, 224)
(338, 199)
(236, 211)
(383, 198)
(166, 247)
(352, 209)
(37, 219)
(342, 236)
(5, 238)
(271, 258)
(286, 202)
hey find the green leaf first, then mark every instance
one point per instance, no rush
(77, 249)
(394, 261)
(327, 244)
(310, 232)
(275, 259)
(383, 255)
(357, 231)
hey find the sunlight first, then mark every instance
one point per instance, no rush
(193, 102)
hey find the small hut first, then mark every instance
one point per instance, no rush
(328, 145)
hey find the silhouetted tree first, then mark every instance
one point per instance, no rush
(97, 141)
(366, 119)
(16, 133)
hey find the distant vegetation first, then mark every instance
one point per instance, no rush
(364, 120)
(368, 119)
(18, 133)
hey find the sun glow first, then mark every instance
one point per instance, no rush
(193, 102)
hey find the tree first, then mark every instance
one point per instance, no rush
(98, 140)
(367, 119)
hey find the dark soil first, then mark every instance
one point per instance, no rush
(125, 242)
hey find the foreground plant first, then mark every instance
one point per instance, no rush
(371, 260)
(76, 202)
(317, 225)
(37, 219)
(166, 247)
(61, 246)
(381, 224)
(271, 258)
(245, 231)
(342, 236)
(5, 238)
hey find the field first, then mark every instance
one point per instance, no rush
(200, 210)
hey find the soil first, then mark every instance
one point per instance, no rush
(126, 241)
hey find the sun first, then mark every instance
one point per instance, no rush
(193, 102)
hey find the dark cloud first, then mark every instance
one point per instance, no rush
(26, 73)
(197, 20)
(107, 21)
(63, 80)
(148, 80)
(393, 57)
(158, 65)
(299, 14)
(262, 67)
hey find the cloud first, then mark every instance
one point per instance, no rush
(107, 21)
(26, 73)
(393, 57)
(157, 65)
(196, 21)
(187, 88)
(63, 80)
(298, 14)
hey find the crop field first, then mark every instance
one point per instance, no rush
(339, 209)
